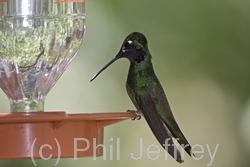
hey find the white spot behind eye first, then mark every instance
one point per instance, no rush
(127, 45)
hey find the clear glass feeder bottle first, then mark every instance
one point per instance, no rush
(38, 40)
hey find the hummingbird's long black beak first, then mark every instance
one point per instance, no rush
(109, 63)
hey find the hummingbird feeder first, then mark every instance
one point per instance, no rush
(38, 40)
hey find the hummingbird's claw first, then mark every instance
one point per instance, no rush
(137, 115)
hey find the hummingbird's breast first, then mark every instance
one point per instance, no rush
(131, 86)
(138, 82)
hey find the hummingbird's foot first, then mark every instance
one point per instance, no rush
(137, 115)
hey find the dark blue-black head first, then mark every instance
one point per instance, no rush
(134, 48)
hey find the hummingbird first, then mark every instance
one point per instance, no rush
(147, 95)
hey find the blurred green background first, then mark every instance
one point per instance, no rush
(201, 55)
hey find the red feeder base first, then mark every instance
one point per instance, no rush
(54, 134)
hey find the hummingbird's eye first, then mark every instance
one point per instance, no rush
(128, 44)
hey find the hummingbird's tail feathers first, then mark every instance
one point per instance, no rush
(178, 135)
(156, 125)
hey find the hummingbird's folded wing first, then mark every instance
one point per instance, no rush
(170, 122)
(157, 126)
